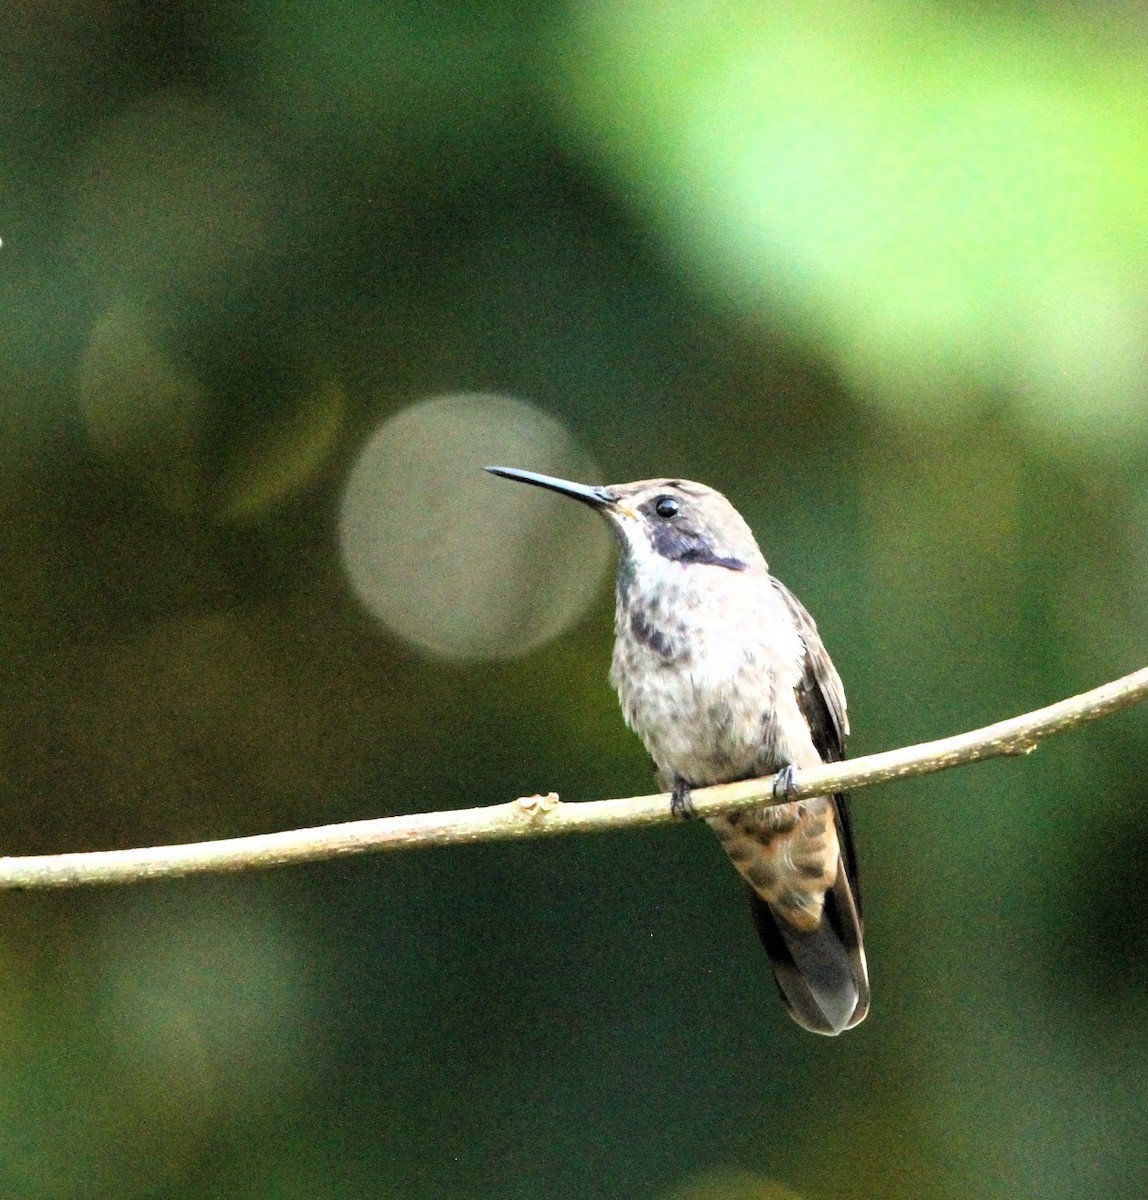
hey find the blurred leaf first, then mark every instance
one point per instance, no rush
(142, 411)
(947, 200)
(290, 451)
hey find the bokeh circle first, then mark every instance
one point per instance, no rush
(456, 561)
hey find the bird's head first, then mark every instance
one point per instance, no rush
(672, 520)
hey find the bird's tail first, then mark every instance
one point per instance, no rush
(821, 975)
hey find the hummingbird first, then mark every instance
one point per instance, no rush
(721, 672)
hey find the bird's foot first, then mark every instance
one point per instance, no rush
(680, 803)
(784, 785)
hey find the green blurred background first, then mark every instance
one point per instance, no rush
(877, 271)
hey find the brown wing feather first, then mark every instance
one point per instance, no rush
(821, 693)
(821, 974)
(821, 698)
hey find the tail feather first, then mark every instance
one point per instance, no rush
(821, 975)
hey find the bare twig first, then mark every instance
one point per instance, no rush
(543, 816)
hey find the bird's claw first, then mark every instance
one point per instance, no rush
(785, 784)
(681, 805)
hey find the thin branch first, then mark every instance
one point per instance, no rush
(542, 816)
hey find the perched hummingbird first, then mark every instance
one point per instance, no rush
(722, 674)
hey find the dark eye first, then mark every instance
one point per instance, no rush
(666, 506)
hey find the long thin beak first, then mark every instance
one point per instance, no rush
(596, 497)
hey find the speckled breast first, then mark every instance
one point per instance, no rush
(697, 672)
